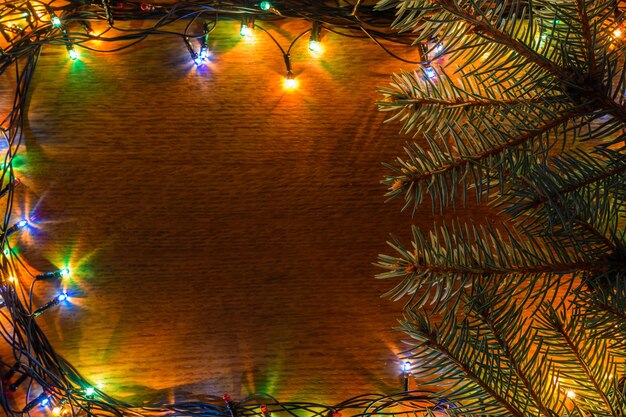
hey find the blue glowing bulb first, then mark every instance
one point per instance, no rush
(62, 296)
(406, 366)
(56, 22)
(438, 48)
(22, 223)
(204, 53)
(45, 401)
(198, 61)
(430, 72)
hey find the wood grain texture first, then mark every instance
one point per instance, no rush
(221, 229)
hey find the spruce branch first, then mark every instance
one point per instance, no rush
(452, 365)
(603, 302)
(439, 269)
(477, 160)
(579, 191)
(514, 337)
(585, 360)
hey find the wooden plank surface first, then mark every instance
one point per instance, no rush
(221, 229)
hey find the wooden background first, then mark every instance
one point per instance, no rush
(221, 230)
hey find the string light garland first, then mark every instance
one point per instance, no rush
(36, 378)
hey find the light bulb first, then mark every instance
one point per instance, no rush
(59, 273)
(73, 54)
(56, 21)
(265, 5)
(204, 52)
(315, 47)
(55, 301)
(56, 411)
(90, 391)
(430, 72)
(17, 226)
(245, 31)
(198, 61)
(406, 366)
(291, 83)
(617, 33)
(571, 394)
(438, 48)
(42, 399)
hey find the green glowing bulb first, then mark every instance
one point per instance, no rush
(7, 252)
(89, 391)
(73, 54)
(65, 272)
(56, 22)
(265, 5)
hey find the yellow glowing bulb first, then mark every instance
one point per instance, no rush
(291, 83)
(12, 280)
(56, 411)
(486, 55)
(617, 33)
(571, 394)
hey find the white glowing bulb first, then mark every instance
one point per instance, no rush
(571, 394)
(316, 48)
